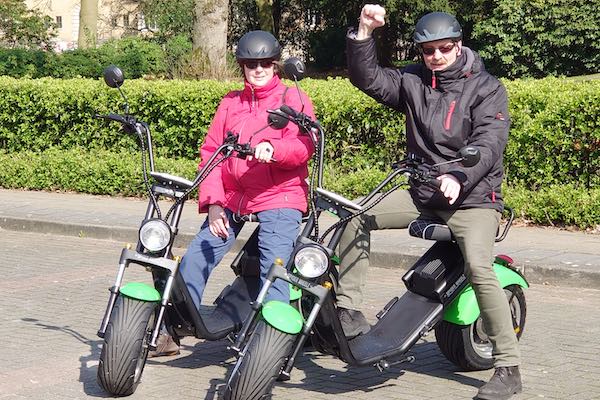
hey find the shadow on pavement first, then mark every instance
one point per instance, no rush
(429, 361)
(88, 363)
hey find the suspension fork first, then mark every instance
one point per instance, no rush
(114, 291)
(277, 271)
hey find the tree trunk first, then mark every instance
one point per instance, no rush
(210, 34)
(265, 15)
(88, 24)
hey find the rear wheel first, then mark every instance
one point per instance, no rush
(125, 347)
(255, 372)
(468, 346)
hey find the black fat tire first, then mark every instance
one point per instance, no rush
(125, 347)
(467, 347)
(254, 373)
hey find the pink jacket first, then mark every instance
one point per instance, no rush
(249, 186)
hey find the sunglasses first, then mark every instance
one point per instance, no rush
(262, 63)
(429, 51)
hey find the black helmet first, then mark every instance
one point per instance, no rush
(258, 45)
(436, 26)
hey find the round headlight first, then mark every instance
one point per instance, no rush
(311, 261)
(155, 235)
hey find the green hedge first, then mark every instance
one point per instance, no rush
(138, 57)
(119, 173)
(46, 126)
(555, 134)
(42, 113)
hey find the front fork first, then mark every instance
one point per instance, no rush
(277, 271)
(128, 256)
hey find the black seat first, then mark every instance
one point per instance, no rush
(430, 229)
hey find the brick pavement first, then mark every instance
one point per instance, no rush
(54, 290)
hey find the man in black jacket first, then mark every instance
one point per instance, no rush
(449, 101)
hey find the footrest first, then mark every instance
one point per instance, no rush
(399, 328)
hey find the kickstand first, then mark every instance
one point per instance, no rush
(382, 365)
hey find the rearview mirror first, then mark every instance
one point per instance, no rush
(113, 76)
(277, 119)
(470, 156)
(294, 68)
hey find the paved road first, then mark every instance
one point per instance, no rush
(54, 292)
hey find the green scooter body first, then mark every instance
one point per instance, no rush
(464, 309)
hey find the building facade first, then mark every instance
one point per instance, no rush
(115, 18)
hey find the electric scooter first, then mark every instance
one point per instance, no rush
(136, 311)
(438, 297)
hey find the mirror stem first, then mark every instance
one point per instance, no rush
(126, 106)
(448, 162)
(299, 95)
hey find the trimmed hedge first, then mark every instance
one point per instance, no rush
(138, 56)
(555, 133)
(552, 154)
(119, 173)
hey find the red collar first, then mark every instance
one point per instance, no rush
(263, 91)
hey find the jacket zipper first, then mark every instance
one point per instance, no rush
(448, 119)
(253, 110)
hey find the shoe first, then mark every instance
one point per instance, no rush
(353, 322)
(505, 382)
(165, 346)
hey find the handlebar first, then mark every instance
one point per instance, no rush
(243, 150)
(299, 118)
(113, 117)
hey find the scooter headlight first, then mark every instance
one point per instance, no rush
(155, 235)
(311, 261)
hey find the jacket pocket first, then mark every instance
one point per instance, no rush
(449, 114)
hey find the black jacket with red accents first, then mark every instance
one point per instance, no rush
(446, 110)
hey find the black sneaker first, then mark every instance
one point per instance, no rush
(505, 382)
(353, 322)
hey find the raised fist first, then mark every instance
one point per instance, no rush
(372, 16)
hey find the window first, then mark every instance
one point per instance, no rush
(59, 21)
(114, 22)
(126, 20)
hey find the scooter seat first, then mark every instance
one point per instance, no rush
(430, 229)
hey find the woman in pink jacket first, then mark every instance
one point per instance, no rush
(275, 191)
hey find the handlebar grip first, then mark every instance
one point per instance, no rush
(112, 117)
(288, 110)
(246, 151)
(435, 183)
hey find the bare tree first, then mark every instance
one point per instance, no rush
(88, 24)
(210, 34)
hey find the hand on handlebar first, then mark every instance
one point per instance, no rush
(450, 186)
(263, 152)
(218, 223)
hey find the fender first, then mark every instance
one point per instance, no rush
(295, 293)
(464, 309)
(282, 317)
(140, 291)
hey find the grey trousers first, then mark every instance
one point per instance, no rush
(474, 229)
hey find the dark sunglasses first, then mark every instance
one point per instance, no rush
(263, 63)
(444, 49)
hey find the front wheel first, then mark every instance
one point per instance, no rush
(125, 347)
(468, 346)
(262, 359)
